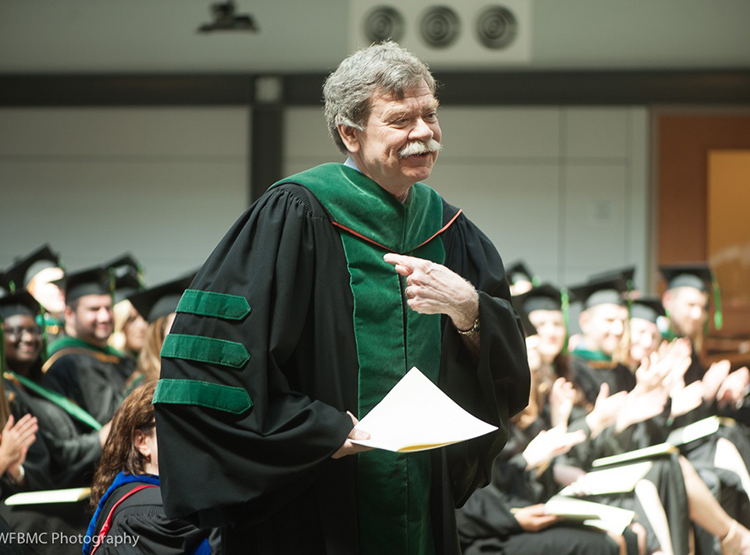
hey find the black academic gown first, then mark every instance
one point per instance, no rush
(267, 474)
(72, 448)
(55, 460)
(94, 381)
(487, 525)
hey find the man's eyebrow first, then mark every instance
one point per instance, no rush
(399, 113)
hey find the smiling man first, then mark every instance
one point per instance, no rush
(322, 296)
(81, 366)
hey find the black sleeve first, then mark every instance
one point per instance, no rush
(486, 514)
(496, 386)
(274, 450)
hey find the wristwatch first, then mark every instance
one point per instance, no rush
(473, 331)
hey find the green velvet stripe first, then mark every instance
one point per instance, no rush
(393, 488)
(203, 394)
(595, 356)
(205, 349)
(218, 305)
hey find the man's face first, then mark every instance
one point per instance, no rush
(603, 327)
(550, 328)
(688, 310)
(644, 339)
(392, 125)
(92, 320)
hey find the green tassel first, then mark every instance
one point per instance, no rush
(718, 315)
(565, 306)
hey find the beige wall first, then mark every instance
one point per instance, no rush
(163, 183)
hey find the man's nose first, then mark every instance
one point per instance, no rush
(422, 131)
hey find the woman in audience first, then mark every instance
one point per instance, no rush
(126, 491)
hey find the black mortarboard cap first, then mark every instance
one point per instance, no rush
(18, 303)
(125, 263)
(97, 280)
(647, 308)
(626, 274)
(698, 276)
(26, 267)
(158, 301)
(3, 286)
(518, 271)
(607, 289)
(544, 297)
(127, 282)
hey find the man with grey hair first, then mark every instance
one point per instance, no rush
(322, 296)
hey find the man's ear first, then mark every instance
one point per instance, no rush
(69, 313)
(583, 321)
(349, 135)
(666, 299)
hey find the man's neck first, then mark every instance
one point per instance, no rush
(400, 194)
(93, 342)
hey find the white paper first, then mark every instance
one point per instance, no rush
(694, 431)
(621, 479)
(49, 496)
(416, 415)
(611, 519)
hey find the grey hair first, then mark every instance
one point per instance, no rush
(384, 67)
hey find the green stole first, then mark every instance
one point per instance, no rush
(594, 356)
(67, 342)
(393, 489)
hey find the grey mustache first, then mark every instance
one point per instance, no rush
(420, 147)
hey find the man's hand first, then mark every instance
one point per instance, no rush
(561, 399)
(534, 518)
(605, 411)
(549, 444)
(349, 448)
(733, 388)
(434, 289)
(714, 378)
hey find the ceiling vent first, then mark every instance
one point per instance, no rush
(459, 35)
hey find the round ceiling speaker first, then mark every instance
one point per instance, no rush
(439, 26)
(496, 27)
(383, 23)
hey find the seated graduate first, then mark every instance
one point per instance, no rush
(129, 516)
(686, 300)
(509, 516)
(38, 273)
(157, 305)
(677, 483)
(82, 366)
(65, 449)
(72, 439)
(130, 328)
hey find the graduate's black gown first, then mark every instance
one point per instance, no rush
(62, 456)
(267, 474)
(94, 381)
(486, 524)
(140, 517)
